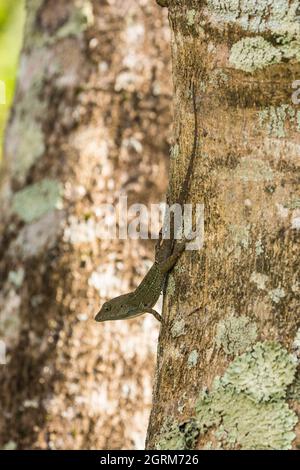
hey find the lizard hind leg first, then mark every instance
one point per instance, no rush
(158, 243)
(170, 262)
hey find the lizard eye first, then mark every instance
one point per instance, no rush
(107, 307)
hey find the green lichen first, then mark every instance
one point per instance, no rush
(293, 204)
(174, 152)
(26, 142)
(259, 279)
(31, 148)
(208, 446)
(250, 54)
(176, 436)
(191, 432)
(298, 121)
(212, 446)
(171, 285)
(243, 423)
(37, 199)
(291, 113)
(218, 77)
(3, 359)
(246, 407)
(190, 17)
(277, 294)
(257, 15)
(10, 445)
(263, 373)
(281, 18)
(202, 86)
(180, 268)
(79, 20)
(275, 119)
(182, 403)
(32, 9)
(259, 248)
(296, 342)
(250, 169)
(254, 385)
(293, 392)
(193, 359)
(240, 235)
(10, 321)
(40, 235)
(178, 328)
(235, 334)
(289, 45)
(16, 277)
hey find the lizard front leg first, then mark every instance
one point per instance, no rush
(154, 313)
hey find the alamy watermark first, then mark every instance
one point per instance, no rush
(138, 221)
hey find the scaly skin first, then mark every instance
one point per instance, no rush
(145, 295)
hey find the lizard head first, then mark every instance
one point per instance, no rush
(118, 308)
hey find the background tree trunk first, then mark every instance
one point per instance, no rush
(228, 353)
(90, 120)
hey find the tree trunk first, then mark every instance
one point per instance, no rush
(90, 120)
(229, 349)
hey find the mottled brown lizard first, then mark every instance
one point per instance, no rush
(145, 296)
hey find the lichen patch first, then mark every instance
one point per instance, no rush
(250, 54)
(37, 199)
(263, 373)
(235, 334)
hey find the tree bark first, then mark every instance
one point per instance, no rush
(90, 120)
(229, 349)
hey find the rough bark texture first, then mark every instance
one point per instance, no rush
(90, 120)
(229, 350)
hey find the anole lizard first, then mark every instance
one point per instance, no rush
(145, 296)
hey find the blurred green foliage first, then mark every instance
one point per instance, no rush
(12, 14)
